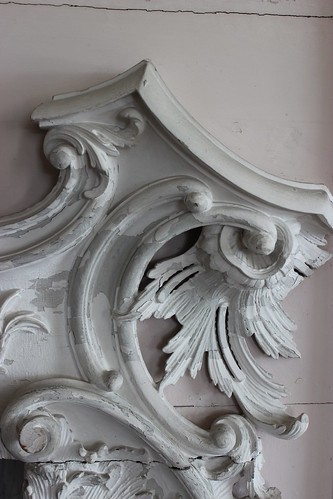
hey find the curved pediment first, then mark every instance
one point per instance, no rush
(178, 126)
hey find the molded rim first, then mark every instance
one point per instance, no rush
(144, 80)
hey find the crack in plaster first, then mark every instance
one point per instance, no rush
(73, 461)
(311, 403)
(166, 11)
(227, 406)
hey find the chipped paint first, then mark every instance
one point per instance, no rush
(225, 288)
(50, 291)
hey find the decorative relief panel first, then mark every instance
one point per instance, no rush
(136, 171)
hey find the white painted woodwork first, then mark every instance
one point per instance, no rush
(263, 86)
(136, 171)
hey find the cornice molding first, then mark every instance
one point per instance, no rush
(102, 226)
(144, 81)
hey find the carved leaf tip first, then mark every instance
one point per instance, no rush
(95, 145)
(294, 428)
(219, 306)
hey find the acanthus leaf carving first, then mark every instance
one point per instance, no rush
(240, 249)
(65, 144)
(33, 433)
(86, 153)
(260, 237)
(237, 440)
(105, 480)
(225, 289)
(251, 485)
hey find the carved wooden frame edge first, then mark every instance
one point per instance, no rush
(252, 251)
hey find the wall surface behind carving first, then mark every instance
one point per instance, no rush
(260, 79)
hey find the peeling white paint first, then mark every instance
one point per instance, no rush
(79, 262)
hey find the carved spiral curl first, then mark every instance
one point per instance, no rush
(65, 145)
(256, 254)
(236, 437)
(238, 444)
(223, 436)
(37, 437)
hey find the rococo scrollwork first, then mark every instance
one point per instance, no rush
(135, 172)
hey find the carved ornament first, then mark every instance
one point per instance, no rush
(136, 171)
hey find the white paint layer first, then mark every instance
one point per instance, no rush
(78, 264)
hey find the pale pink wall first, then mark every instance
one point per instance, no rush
(263, 86)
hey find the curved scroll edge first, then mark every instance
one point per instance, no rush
(86, 154)
(144, 80)
(32, 433)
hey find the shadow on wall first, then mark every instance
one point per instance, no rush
(11, 479)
